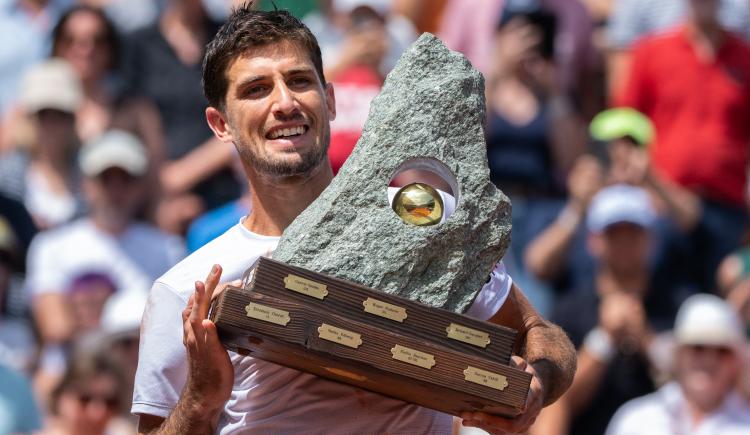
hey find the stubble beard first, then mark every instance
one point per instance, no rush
(264, 164)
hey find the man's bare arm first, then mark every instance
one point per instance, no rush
(542, 344)
(210, 371)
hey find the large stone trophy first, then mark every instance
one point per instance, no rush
(370, 293)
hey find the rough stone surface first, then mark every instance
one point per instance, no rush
(431, 107)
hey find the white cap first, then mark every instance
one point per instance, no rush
(52, 84)
(382, 7)
(706, 319)
(122, 312)
(114, 149)
(620, 203)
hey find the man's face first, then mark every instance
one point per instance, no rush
(707, 374)
(704, 12)
(622, 246)
(277, 111)
(114, 192)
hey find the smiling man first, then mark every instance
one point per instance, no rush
(263, 78)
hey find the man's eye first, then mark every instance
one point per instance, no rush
(254, 91)
(299, 81)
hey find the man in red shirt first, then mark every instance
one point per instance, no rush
(694, 83)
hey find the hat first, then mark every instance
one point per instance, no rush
(381, 7)
(122, 312)
(52, 84)
(706, 319)
(620, 203)
(114, 149)
(621, 122)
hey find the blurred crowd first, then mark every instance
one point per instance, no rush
(620, 130)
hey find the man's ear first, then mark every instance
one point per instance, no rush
(219, 125)
(330, 102)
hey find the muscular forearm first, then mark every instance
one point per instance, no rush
(552, 355)
(542, 344)
(187, 417)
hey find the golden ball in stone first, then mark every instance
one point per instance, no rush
(418, 204)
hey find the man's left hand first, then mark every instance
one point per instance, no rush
(497, 425)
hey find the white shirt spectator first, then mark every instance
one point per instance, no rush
(132, 260)
(665, 412)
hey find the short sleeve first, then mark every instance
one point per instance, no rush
(493, 294)
(162, 362)
(44, 275)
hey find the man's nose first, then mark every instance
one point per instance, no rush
(284, 101)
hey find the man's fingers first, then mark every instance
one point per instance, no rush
(211, 282)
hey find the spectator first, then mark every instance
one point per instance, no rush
(633, 19)
(702, 111)
(25, 27)
(533, 133)
(88, 399)
(44, 175)
(87, 39)
(108, 241)
(709, 360)
(614, 320)
(619, 155)
(163, 64)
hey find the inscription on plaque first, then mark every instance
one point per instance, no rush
(339, 335)
(268, 314)
(384, 309)
(305, 286)
(483, 377)
(413, 356)
(468, 335)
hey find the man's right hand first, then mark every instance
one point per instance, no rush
(210, 372)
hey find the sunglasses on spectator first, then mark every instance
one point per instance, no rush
(722, 351)
(110, 401)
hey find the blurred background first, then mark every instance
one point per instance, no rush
(620, 130)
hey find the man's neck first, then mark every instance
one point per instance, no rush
(706, 38)
(109, 223)
(277, 201)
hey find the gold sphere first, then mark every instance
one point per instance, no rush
(418, 204)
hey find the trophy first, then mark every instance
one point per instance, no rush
(369, 284)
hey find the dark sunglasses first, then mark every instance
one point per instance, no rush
(111, 401)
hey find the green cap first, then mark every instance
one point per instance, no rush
(620, 122)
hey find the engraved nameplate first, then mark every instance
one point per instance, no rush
(339, 335)
(468, 335)
(267, 314)
(305, 286)
(384, 309)
(483, 377)
(412, 356)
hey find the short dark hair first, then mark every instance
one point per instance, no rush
(245, 29)
(111, 36)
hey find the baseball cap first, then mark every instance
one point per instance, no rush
(381, 7)
(706, 319)
(52, 84)
(114, 149)
(620, 203)
(621, 122)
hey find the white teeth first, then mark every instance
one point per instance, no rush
(284, 132)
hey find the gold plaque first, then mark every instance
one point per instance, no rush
(305, 286)
(384, 309)
(339, 335)
(412, 356)
(468, 335)
(483, 377)
(268, 314)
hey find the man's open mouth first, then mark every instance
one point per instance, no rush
(280, 133)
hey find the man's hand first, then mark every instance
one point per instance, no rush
(210, 371)
(496, 425)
